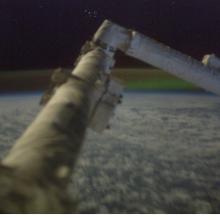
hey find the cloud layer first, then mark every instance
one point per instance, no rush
(160, 156)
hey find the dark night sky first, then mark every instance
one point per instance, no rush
(49, 33)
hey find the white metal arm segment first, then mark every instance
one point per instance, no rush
(159, 55)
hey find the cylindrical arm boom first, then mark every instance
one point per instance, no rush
(185, 67)
(42, 160)
(62, 122)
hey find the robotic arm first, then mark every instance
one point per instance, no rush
(44, 156)
(107, 92)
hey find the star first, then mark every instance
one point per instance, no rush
(91, 13)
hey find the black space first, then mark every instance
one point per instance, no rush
(49, 33)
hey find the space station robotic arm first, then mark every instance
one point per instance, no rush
(43, 157)
(107, 92)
